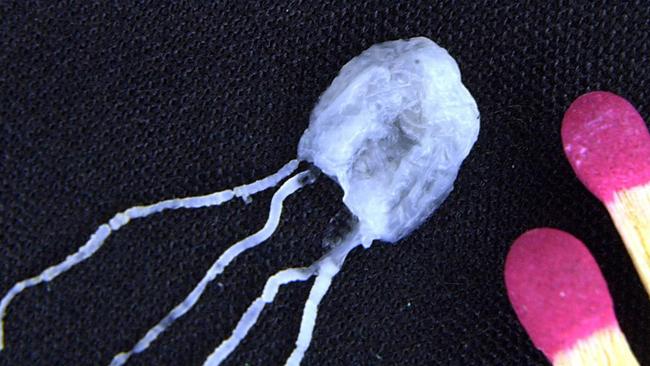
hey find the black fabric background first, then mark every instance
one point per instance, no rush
(105, 105)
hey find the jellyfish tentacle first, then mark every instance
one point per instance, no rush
(120, 219)
(328, 267)
(321, 285)
(289, 187)
(325, 269)
(253, 312)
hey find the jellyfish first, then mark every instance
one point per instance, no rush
(392, 131)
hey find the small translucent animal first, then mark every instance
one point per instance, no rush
(392, 130)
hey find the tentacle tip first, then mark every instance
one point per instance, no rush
(119, 359)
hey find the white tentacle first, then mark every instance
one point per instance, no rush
(289, 187)
(325, 269)
(122, 218)
(254, 310)
(322, 283)
(328, 267)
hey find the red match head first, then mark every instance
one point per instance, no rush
(557, 290)
(607, 143)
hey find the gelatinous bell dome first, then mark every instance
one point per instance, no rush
(393, 130)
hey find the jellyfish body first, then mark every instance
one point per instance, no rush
(392, 130)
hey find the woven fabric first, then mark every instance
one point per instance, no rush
(105, 105)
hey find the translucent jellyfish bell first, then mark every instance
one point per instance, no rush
(392, 130)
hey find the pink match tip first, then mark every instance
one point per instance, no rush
(607, 143)
(556, 290)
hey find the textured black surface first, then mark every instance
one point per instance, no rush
(104, 106)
